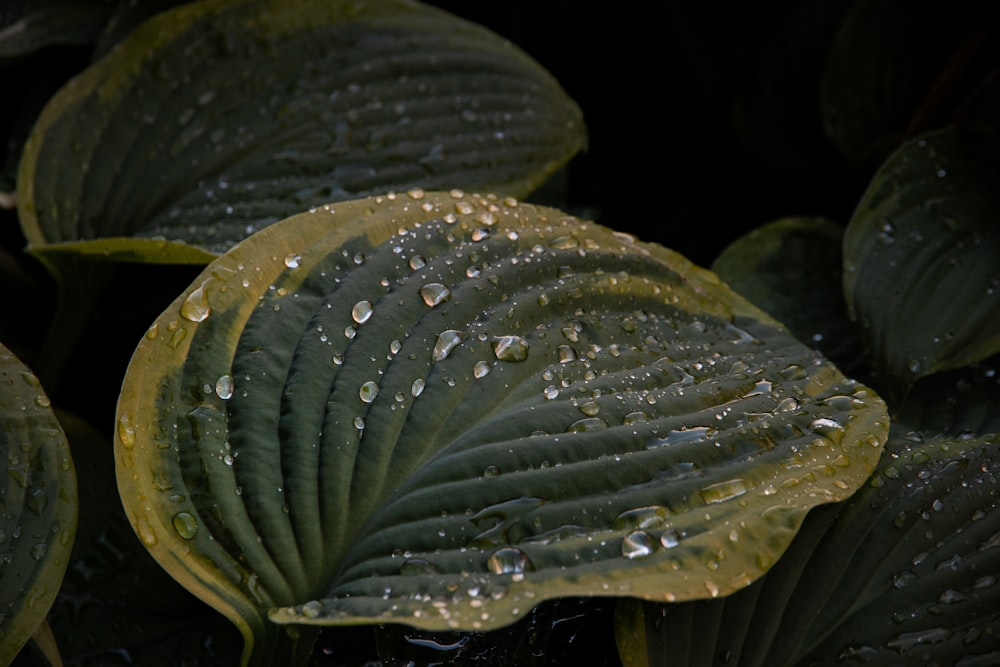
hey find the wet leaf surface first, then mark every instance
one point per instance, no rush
(922, 259)
(214, 119)
(792, 268)
(494, 404)
(38, 505)
(902, 573)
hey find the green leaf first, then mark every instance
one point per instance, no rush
(27, 26)
(115, 600)
(38, 510)
(219, 117)
(922, 259)
(902, 573)
(792, 269)
(962, 402)
(442, 409)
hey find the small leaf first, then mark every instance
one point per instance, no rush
(216, 118)
(39, 510)
(792, 269)
(922, 259)
(441, 409)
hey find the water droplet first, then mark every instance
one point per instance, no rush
(510, 348)
(312, 609)
(362, 311)
(481, 369)
(418, 566)
(417, 262)
(722, 491)
(509, 560)
(292, 260)
(447, 341)
(195, 307)
(368, 391)
(417, 387)
(434, 294)
(588, 424)
(37, 500)
(590, 408)
(670, 539)
(39, 550)
(551, 392)
(491, 471)
(185, 524)
(566, 354)
(126, 432)
(637, 544)
(642, 518)
(224, 387)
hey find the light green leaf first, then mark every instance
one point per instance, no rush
(441, 409)
(922, 259)
(216, 118)
(38, 508)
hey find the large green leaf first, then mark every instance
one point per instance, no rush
(218, 117)
(441, 409)
(792, 269)
(922, 258)
(37, 505)
(902, 573)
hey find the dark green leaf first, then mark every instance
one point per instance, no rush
(38, 507)
(922, 258)
(444, 409)
(27, 26)
(792, 269)
(219, 117)
(902, 573)
(894, 70)
(962, 402)
(115, 600)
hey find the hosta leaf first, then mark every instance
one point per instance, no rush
(115, 599)
(902, 573)
(922, 258)
(792, 269)
(895, 68)
(441, 409)
(27, 26)
(37, 505)
(962, 402)
(218, 117)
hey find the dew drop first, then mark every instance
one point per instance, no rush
(224, 387)
(508, 560)
(481, 369)
(434, 294)
(417, 387)
(447, 341)
(312, 609)
(510, 348)
(586, 425)
(39, 550)
(126, 432)
(637, 544)
(722, 491)
(417, 262)
(292, 260)
(195, 307)
(362, 311)
(418, 566)
(185, 524)
(368, 391)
